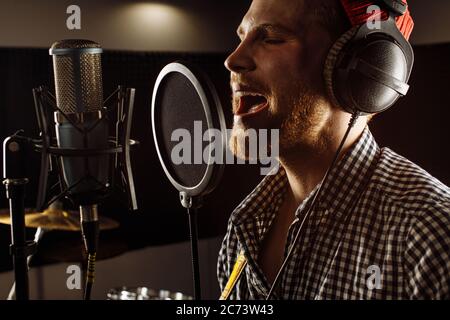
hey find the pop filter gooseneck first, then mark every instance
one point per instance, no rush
(186, 111)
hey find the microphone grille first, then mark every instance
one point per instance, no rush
(75, 44)
(78, 75)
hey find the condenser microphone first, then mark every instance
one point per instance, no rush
(80, 120)
(81, 124)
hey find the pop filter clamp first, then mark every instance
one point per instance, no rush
(183, 94)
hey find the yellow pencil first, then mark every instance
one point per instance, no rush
(234, 277)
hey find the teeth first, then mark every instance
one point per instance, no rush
(251, 95)
(254, 108)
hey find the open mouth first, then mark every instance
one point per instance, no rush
(251, 104)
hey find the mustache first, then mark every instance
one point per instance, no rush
(245, 81)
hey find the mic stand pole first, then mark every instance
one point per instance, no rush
(37, 237)
(20, 249)
(191, 204)
(90, 229)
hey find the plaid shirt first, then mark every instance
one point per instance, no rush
(380, 230)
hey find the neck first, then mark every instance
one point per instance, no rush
(306, 166)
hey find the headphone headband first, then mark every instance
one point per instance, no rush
(397, 7)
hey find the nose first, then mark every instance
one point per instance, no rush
(241, 60)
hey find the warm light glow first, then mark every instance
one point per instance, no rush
(155, 15)
(162, 26)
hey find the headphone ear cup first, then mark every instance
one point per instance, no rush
(331, 60)
(366, 70)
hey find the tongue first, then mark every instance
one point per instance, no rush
(251, 103)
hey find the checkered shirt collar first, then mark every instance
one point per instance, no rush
(339, 191)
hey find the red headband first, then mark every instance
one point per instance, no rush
(357, 13)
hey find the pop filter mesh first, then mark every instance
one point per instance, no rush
(178, 106)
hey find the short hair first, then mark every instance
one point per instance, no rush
(330, 14)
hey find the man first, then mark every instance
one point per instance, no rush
(381, 227)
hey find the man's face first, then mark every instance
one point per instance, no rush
(276, 73)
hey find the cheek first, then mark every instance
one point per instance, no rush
(284, 72)
(283, 78)
(313, 59)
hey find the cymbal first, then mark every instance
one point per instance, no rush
(58, 246)
(56, 219)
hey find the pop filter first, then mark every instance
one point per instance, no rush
(189, 131)
(185, 105)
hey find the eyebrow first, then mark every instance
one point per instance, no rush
(276, 28)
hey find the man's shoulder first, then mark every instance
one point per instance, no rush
(408, 185)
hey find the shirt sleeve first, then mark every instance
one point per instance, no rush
(427, 255)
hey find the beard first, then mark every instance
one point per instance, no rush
(299, 115)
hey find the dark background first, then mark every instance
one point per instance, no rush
(417, 128)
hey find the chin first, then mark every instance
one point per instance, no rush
(243, 136)
(238, 140)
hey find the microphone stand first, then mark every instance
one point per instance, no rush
(192, 204)
(90, 230)
(37, 237)
(20, 249)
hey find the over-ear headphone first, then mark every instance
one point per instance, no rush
(367, 70)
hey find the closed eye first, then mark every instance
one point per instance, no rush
(270, 37)
(266, 33)
(273, 41)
